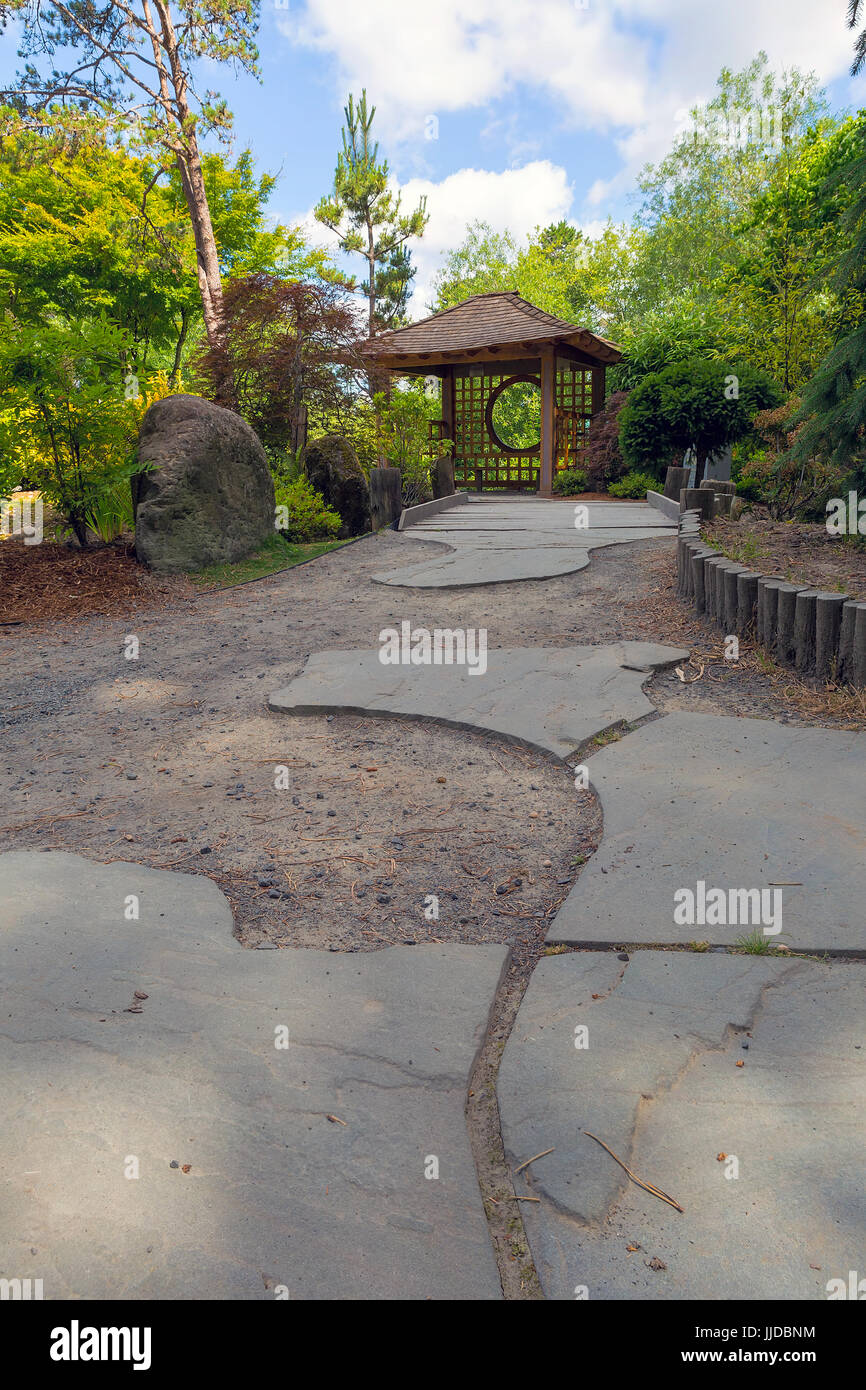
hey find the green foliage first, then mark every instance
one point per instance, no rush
(697, 198)
(304, 516)
(559, 269)
(404, 437)
(517, 415)
(602, 457)
(570, 481)
(695, 404)
(110, 512)
(365, 213)
(634, 484)
(678, 331)
(833, 412)
(788, 485)
(91, 229)
(64, 415)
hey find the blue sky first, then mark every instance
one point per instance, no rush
(538, 109)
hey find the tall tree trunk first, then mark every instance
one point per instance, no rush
(179, 345)
(207, 256)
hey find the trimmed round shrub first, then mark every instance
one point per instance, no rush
(634, 484)
(570, 481)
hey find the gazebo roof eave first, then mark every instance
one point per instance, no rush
(380, 353)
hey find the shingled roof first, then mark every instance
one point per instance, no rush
(487, 321)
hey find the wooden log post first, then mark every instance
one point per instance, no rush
(732, 575)
(719, 486)
(721, 570)
(747, 600)
(804, 630)
(698, 499)
(675, 480)
(385, 497)
(847, 641)
(768, 598)
(785, 609)
(711, 565)
(698, 562)
(828, 625)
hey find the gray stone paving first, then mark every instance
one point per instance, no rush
(550, 699)
(658, 1081)
(738, 804)
(500, 540)
(277, 1194)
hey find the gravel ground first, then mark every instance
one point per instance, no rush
(171, 759)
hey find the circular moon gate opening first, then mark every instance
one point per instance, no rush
(513, 415)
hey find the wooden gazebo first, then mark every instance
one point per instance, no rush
(480, 348)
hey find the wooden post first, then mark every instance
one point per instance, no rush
(449, 407)
(548, 421)
(598, 389)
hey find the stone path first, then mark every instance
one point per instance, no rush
(657, 1077)
(552, 700)
(736, 803)
(277, 1194)
(496, 540)
(639, 1047)
(744, 805)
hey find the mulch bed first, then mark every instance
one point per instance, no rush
(51, 582)
(804, 553)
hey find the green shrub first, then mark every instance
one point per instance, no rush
(69, 420)
(304, 516)
(694, 404)
(570, 481)
(633, 485)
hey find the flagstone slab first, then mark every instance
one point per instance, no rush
(552, 699)
(737, 804)
(281, 1199)
(765, 1158)
(502, 540)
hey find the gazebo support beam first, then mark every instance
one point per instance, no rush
(598, 389)
(548, 421)
(449, 409)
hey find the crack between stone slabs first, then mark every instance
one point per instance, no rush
(699, 1047)
(518, 1276)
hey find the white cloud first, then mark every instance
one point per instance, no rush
(423, 59)
(517, 200)
(627, 67)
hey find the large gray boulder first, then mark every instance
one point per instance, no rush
(210, 497)
(332, 467)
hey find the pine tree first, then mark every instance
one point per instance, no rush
(364, 210)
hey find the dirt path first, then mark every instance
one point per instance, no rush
(170, 759)
(387, 832)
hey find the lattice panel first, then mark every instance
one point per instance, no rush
(476, 451)
(573, 414)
